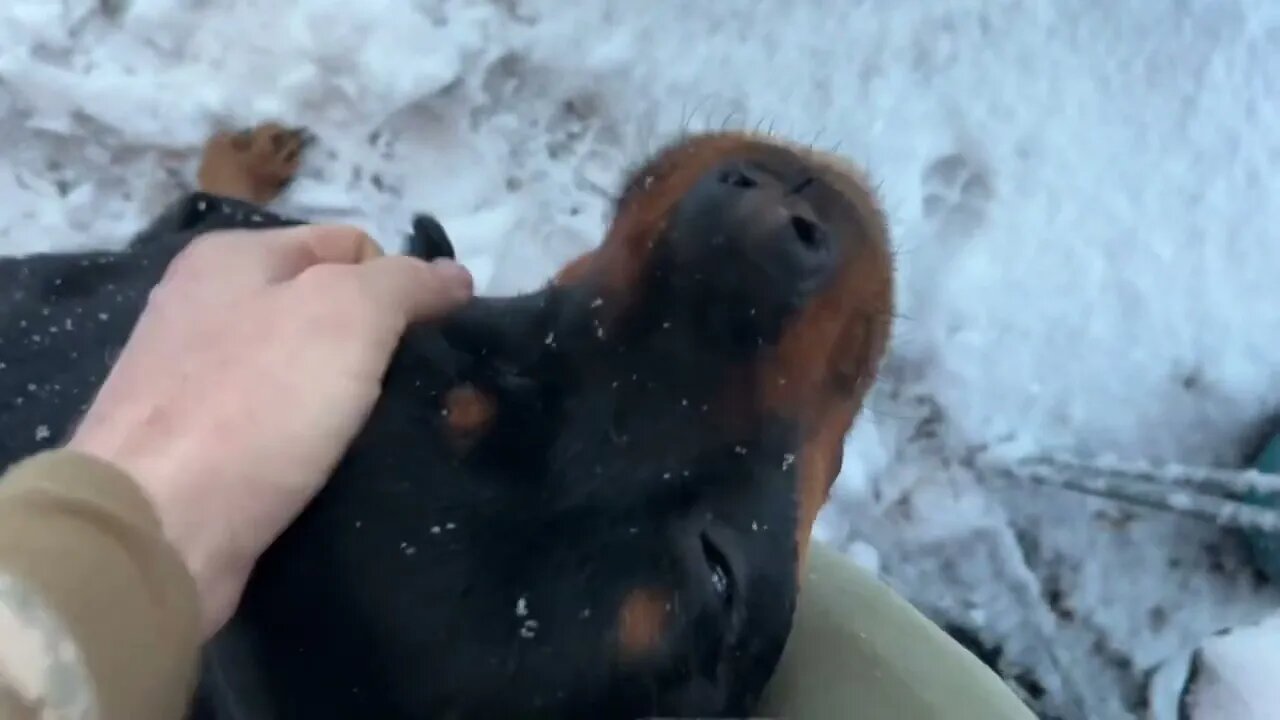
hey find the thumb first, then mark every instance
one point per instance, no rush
(416, 289)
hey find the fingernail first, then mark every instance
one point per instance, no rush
(454, 274)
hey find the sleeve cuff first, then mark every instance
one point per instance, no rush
(84, 536)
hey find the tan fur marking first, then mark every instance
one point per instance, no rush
(469, 413)
(642, 621)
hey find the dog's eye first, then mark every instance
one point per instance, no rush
(719, 580)
(719, 572)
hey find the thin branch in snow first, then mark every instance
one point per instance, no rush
(1215, 481)
(1212, 495)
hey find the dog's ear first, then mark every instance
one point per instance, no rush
(428, 240)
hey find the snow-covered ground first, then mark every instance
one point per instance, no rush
(1085, 197)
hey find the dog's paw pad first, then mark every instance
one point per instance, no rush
(254, 164)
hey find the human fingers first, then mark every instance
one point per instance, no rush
(233, 259)
(415, 289)
(341, 244)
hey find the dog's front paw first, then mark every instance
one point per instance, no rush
(254, 165)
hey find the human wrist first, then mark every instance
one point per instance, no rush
(161, 465)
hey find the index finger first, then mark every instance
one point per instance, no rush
(342, 244)
(246, 258)
(292, 250)
(417, 289)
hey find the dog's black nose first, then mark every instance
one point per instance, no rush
(762, 213)
(747, 244)
(804, 228)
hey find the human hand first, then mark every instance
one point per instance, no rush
(256, 361)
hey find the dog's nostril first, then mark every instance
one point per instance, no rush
(806, 231)
(734, 177)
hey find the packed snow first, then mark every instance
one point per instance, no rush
(1084, 199)
(1229, 681)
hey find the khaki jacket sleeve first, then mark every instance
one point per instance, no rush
(99, 618)
(860, 651)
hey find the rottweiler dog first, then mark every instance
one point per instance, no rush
(589, 501)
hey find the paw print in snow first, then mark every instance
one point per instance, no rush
(956, 194)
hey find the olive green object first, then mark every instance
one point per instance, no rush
(1265, 547)
(858, 651)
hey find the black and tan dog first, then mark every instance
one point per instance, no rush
(590, 501)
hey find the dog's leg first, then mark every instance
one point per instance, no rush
(239, 173)
(253, 165)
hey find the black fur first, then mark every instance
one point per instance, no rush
(423, 583)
